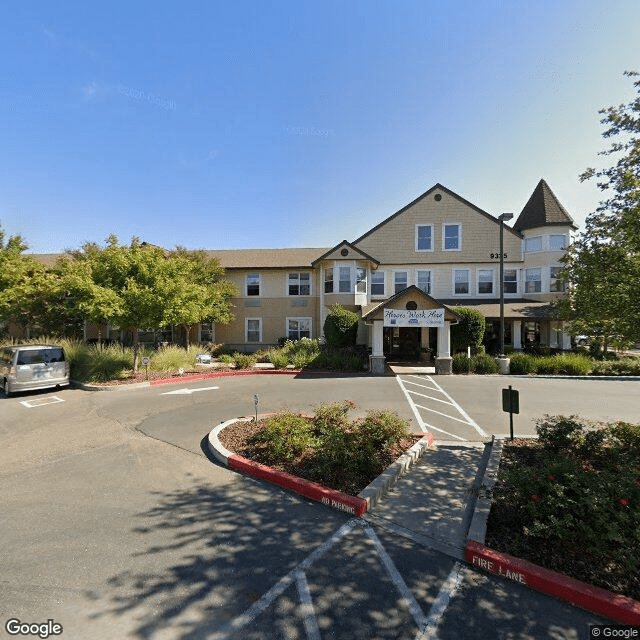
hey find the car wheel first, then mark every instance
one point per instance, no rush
(5, 388)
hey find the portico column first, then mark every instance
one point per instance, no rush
(516, 333)
(444, 360)
(566, 338)
(376, 359)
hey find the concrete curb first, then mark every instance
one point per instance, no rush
(355, 505)
(478, 526)
(187, 378)
(379, 487)
(595, 599)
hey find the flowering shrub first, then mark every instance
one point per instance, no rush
(582, 487)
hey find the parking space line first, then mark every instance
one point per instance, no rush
(426, 386)
(417, 613)
(447, 591)
(470, 420)
(412, 404)
(310, 622)
(424, 395)
(32, 404)
(446, 415)
(452, 435)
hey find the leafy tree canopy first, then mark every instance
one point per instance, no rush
(603, 264)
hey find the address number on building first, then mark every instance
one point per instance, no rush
(497, 255)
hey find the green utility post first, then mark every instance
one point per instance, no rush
(511, 403)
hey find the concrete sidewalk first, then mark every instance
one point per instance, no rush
(434, 503)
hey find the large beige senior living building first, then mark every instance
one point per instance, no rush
(405, 277)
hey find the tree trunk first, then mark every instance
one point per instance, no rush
(187, 334)
(136, 350)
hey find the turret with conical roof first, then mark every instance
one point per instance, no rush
(543, 209)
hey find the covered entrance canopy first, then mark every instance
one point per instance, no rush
(411, 307)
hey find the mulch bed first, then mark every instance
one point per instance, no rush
(235, 436)
(504, 534)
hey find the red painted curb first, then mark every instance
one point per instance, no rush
(593, 599)
(224, 374)
(336, 499)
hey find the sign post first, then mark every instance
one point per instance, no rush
(511, 403)
(145, 364)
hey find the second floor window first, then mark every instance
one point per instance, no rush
(299, 284)
(423, 280)
(510, 281)
(556, 283)
(533, 281)
(400, 281)
(377, 283)
(361, 280)
(344, 283)
(485, 281)
(253, 284)
(328, 281)
(461, 281)
(424, 237)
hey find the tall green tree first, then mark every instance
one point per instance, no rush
(118, 284)
(195, 291)
(603, 264)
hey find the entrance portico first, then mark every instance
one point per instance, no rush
(411, 307)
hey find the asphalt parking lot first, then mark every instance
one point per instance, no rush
(115, 524)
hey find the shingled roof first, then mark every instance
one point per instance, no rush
(543, 209)
(266, 258)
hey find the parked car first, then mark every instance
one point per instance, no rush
(33, 366)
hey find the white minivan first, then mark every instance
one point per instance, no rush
(32, 366)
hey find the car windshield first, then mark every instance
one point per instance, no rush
(39, 356)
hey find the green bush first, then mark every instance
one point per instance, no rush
(225, 358)
(278, 359)
(462, 364)
(284, 437)
(581, 486)
(484, 364)
(621, 367)
(522, 364)
(469, 331)
(341, 327)
(171, 358)
(243, 360)
(572, 364)
(559, 432)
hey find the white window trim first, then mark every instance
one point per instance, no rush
(493, 283)
(246, 284)
(246, 330)
(450, 224)
(433, 237)
(298, 318)
(430, 272)
(298, 295)
(393, 283)
(558, 235)
(517, 281)
(556, 280)
(524, 244)
(453, 282)
(542, 288)
(336, 281)
(384, 284)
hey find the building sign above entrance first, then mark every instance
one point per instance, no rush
(419, 318)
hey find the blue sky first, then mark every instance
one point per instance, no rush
(251, 124)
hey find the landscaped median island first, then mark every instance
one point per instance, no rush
(328, 448)
(570, 502)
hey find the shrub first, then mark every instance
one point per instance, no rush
(469, 331)
(462, 364)
(171, 358)
(574, 364)
(484, 364)
(284, 437)
(225, 358)
(522, 364)
(621, 367)
(243, 360)
(341, 327)
(558, 432)
(278, 359)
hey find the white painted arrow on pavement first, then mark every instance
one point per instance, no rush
(187, 391)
